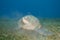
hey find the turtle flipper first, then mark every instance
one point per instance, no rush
(44, 31)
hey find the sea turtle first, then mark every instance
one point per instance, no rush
(30, 22)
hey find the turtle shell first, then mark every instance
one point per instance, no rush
(29, 22)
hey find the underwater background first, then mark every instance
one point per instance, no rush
(47, 11)
(39, 8)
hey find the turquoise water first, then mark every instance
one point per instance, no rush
(48, 11)
(39, 8)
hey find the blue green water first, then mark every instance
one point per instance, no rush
(39, 8)
(11, 10)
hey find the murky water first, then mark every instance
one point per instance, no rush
(8, 32)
